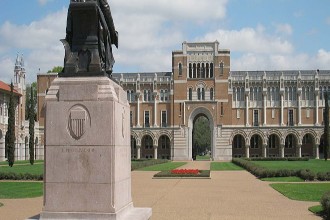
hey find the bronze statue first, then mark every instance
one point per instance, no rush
(90, 33)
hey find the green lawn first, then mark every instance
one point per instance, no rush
(32, 169)
(164, 166)
(205, 157)
(302, 191)
(314, 165)
(283, 179)
(16, 190)
(21, 162)
(316, 209)
(225, 166)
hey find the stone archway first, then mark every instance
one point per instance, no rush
(238, 146)
(164, 147)
(307, 146)
(196, 113)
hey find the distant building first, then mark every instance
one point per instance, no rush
(251, 114)
(22, 126)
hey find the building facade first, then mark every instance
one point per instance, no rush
(251, 114)
(21, 125)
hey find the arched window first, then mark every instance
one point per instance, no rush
(238, 94)
(190, 94)
(277, 94)
(203, 71)
(294, 93)
(259, 94)
(211, 70)
(199, 94)
(198, 70)
(194, 71)
(303, 93)
(234, 94)
(242, 94)
(203, 94)
(190, 71)
(286, 93)
(251, 93)
(255, 95)
(221, 68)
(208, 70)
(311, 93)
(161, 94)
(145, 95)
(211, 94)
(269, 96)
(273, 94)
(321, 93)
(180, 69)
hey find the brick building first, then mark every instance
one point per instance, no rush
(251, 114)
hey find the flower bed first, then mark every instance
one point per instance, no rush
(183, 173)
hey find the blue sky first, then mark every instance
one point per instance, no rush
(262, 35)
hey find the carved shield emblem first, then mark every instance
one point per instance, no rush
(78, 122)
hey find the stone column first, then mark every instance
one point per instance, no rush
(247, 109)
(265, 107)
(299, 108)
(156, 152)
(247, 151)
(264, 150)
(299, 150)
(317, 153)
(282, 150)
(138, 156)
(316, 108)
(138, 111)
(282, 109)
(155, 109)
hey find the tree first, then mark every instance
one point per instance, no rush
(326, 127)
(56, 69)
(28, 97)
(31, 126)
(10, 135)
(201, 134)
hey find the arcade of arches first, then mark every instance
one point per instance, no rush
(149, 150)
(291, 146)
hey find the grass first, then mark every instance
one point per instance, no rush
(32, 169)
(168, 174)
(20, 190)
(302, 191)
(20, 162)
(205, 157)
(316, 209)
(164, 166)
(229, 166)
(313, 165)
(283, 179)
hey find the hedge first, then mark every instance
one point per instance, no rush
(202, 174)
(20, 176)
(325, 202)
(140, 163)
(277, 159)
(262, 172)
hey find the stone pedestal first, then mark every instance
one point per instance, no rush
(87, 152)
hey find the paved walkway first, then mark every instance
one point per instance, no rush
(227, 195)
(201, 165)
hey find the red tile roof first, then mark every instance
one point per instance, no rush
(5, 87)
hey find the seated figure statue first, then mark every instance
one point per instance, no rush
(90, 33)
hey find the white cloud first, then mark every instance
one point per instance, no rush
(284, 29)
(43, 2)
(250, 40)
(7, 69)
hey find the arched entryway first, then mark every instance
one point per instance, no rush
(164, 147)
(147, 147)
(290, 147)
(133, 148)
(273, 146)
(238, 146)
(308, 144)
(256, 146)
(201, 137)
(201, 112)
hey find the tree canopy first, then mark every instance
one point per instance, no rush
(56, 69)
(202, 134)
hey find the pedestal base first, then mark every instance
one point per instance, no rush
(128, 213)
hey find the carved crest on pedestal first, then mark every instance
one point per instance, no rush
(78, 121)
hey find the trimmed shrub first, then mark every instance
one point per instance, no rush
(168, 173)
(278, 159)
(145, 163)
(325, 202)
(323, 176)
(20, 176)
(306, 175)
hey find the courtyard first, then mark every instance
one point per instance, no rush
(227, 195)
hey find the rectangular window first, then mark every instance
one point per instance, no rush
(221, 69)
(308, 113)
(273, 113)
(180, 109)
(238, 113)
(131, 118)
(221, 109)
(146, 119)
(291, 122)
(255, 118)
(164, 119)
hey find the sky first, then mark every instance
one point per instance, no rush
(261, 35)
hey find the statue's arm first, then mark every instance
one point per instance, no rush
(108, 17)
